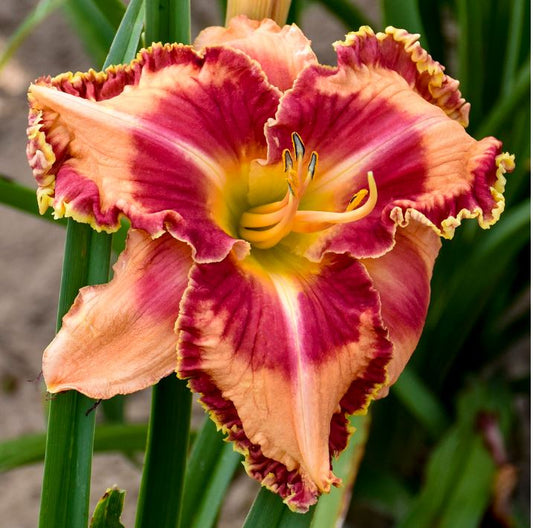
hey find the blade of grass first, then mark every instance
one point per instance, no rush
(40, 12)
(160, 495)
(69, 443)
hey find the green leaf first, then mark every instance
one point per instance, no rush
(461, 470)
(267, 509)
(469, 290)
(113, 10)
(168, 21)
(421, 402)
(209, 502)
(28, 449)
(206, 452)
(39, 13)
(471, 57)
(332, 508)
(160, 495)
(510, 65)
(92, 26)
(385, 491)
(109, 509)
(349, 14)
(69, 443)
(504, 112)
(22, 198)
(126, 42)
(403, 14)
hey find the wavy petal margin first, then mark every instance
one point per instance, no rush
(119, 337)
(380, 111)
(282, 52)
(281, 350)
(398, 50)
(165, 141)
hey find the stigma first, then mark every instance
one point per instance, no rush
(266, 225)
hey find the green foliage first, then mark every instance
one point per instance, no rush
(109, 509)
(29, 449)
(427, 462)
(39, 13)
(210, 468)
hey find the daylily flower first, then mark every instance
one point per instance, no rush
(285, 218)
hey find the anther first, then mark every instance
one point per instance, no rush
(312, 165)
(287, 161)
(356, 199)
(299, 148)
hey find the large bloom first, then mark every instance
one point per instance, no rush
(285, 220)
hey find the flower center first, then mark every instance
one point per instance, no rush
(264, 226)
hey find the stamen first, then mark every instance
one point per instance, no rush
(265, 225)
(311, 221)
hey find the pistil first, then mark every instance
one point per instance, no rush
(264, 226)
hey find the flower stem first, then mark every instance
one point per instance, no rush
(69, 444)
(164, 467)
(71, 422)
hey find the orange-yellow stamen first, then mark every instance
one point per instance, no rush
(264, 226)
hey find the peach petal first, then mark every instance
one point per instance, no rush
(278, 348)
(119, 337)
(282, 52)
